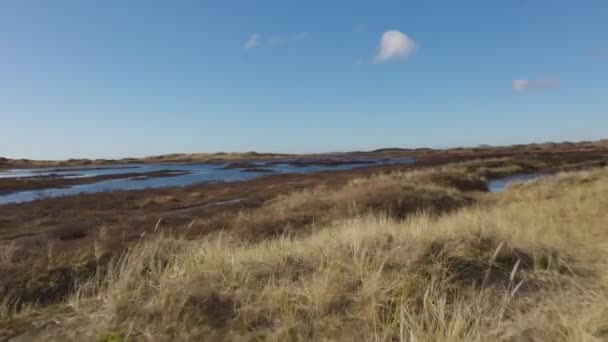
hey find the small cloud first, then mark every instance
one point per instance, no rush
(522, 85)
(358, 62)
(252, 42)
(360, 28)
(394, 45)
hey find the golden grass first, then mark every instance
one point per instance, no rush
(49, 277)
(528, 264)
(396, 195)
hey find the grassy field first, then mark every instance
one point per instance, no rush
(422, 255)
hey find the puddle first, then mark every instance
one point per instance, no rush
(499, 185)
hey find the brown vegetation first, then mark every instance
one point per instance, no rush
(6, 163)
(525, 264)
(320, 159)
(416, 252)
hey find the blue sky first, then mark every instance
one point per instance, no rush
(136, 78)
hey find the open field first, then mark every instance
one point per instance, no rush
(394, 252)
(528, 264)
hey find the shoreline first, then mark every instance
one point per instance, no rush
(14, 185)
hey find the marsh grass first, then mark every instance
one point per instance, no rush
(396, 195)
(527, 264)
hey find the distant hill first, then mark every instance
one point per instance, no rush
(251, 155)
(399, 149)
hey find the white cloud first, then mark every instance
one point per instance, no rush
(252, 42)
(394, 45)
(522, 85)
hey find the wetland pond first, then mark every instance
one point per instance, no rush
(70, 181)
(499, 185)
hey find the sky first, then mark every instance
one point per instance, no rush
(108, 79)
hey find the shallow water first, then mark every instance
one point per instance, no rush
(498, 185)
(196, 173)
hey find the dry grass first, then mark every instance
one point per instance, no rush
(52, 277)
(529, 264)
(396, 195)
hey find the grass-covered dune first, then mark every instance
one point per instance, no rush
(446, 262)
(548, 148)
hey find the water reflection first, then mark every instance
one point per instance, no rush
(195, 173)
(498, 185)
